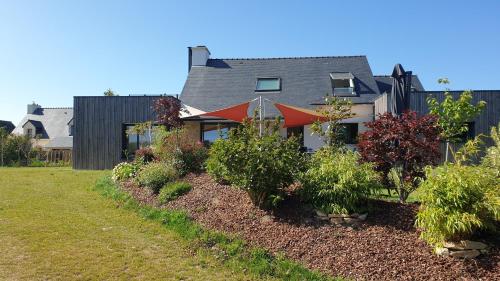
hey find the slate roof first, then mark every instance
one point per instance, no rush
(54, 121)
(304, 81)
(384, 83)
(7, 125)
(60, 142)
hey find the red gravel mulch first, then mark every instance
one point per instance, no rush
(384, 247)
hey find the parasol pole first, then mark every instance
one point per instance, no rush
(260, 116)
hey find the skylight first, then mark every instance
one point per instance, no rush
(268, 84)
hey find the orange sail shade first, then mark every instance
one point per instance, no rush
(296, 116)
(236, 113)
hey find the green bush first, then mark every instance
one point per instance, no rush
(456, 201)
(124, 171)
(492, 157)
(155, 175)
(173, 190)
(261, 165)
(337, 183)
(178, 147)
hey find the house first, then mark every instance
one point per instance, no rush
(7, 126)
(101, 122)
(50, 129)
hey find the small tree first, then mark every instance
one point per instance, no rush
(168, 111)
(109, 93)
(145, 128)
(453, 115)
(335, 110)
(404, 144)
(3, 144)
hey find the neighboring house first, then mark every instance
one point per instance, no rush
(7, 125)
(101, 123)
(50, 128)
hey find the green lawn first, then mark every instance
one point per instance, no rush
(53, 226)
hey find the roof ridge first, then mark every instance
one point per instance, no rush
(56, 107)
(289, 58)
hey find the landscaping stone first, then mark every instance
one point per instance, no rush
(320, 214)
(442, 251)
(335, 216)
(466, 254)
(465, 245)
(336, 220)
(363, 216)
(266, 219)
(350, 220)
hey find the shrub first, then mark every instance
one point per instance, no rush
(492, 157)
(124, 171)
(177, 147)
(144, 155)
(261, 165)
(155, 175)
(173, 190)
(336, 183)
(404, 144)
(456, 201)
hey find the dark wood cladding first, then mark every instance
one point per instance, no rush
(482, 124)
(97, 142)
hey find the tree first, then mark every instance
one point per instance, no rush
(168, 111)
(335, 110)
(3, 144)
(109, 93)
(453, 115)
(145, 128)
(404, 145)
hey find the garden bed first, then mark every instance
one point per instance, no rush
(385, 246)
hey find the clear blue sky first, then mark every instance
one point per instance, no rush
(51, 51)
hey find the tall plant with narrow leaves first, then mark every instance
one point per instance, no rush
(406, 144)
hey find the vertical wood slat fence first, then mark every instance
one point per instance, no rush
(59, 155)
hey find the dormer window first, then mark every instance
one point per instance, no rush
(342, 83)
(268, 84)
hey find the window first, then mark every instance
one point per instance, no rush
(133, 141)
(212, 131)
(349, 133)
(298, 132)
(342, 83)
(268, 84)
(29, 132)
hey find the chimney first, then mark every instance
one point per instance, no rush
(32, 108)
(198, 56)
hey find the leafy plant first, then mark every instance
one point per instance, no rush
(261, 165)
(176, 146)
(173, 190)
(144, 155)
(335, 110)
(453, 115)
(492, 157)
(109, 93)
(336, 183)
(407, 144)
(457, 200)
(156, 174)
(168, 111)
(124, 171)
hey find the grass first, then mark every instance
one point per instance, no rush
(230, 250)
(53, 226)
(412, 198)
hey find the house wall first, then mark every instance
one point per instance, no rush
(98, 139)
(363, 113)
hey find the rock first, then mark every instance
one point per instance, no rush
(363, 216)
(322, 218)
(441, 251)
(266, 219)
(320, 213)
(354, 215)
(345, 215)
(350, 220)
(336, 220)
(466, 254)
(335, 216)
(473, 245)
(465, 245)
